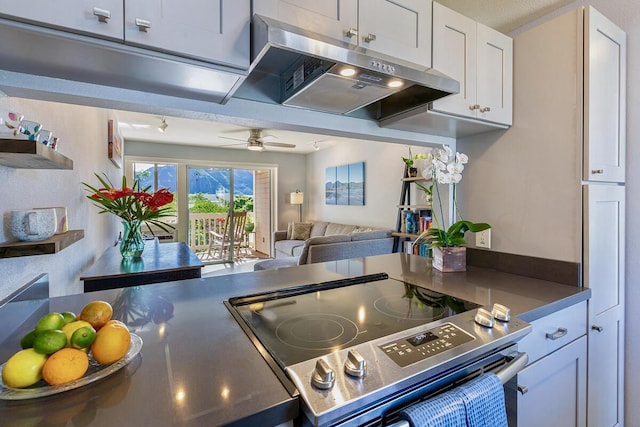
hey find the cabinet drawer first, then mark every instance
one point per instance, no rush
(555, 330)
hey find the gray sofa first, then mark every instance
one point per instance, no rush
(327, 241)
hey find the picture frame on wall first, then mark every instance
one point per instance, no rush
(330, 186)
(342, 185)
(356, 184)
(114, 141)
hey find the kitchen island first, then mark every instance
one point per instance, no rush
(197, 366)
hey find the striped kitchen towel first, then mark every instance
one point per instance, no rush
(444, 410)
(483, 399)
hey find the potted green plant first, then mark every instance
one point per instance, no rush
(249, 225)
(448, 244)
(412, 170)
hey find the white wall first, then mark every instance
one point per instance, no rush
(83, 138)
(382, 171)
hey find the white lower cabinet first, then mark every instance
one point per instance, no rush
(552, 389)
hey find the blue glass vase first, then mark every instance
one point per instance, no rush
(132, 243)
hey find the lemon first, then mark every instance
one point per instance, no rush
(50, 321)
(68, 316)
(27, 340)
(23, 368)
(70, 328)
(48, 342)
(83, 338)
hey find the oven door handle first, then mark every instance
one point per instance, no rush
(512, 368)
(505, 373)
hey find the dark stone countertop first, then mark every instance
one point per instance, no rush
(198, 368)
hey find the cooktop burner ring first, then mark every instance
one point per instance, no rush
(407, 308)
(317, 331)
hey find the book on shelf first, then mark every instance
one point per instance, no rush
(420, 249)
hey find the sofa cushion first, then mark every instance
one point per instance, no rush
(286, 247)
(318, 241)
(319, 228)
(301, 230)
(333, 229)
(368, 235)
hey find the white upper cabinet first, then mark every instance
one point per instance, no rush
(103, 18)
(605, 98)
(400, 28)
(214, 31)
(481, 59)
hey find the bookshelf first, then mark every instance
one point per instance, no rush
(421, 213)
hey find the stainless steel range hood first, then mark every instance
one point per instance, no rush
(323, 74)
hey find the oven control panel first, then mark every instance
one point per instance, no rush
(415, 348)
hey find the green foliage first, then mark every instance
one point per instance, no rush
(200, 204)
(454, 236)
(243, 203)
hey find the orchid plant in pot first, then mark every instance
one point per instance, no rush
(448, 244)
(134, 206)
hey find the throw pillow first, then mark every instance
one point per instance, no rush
(289, 230)
(300, 230)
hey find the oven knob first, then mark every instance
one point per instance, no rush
(484, 318)
(501, 313)
(323, 376)
(355, 365)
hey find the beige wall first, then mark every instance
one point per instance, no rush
(262, 209)
(523, 206)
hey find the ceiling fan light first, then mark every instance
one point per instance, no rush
(255, 146)
(315, 146)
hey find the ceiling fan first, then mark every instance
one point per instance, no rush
(257, 141)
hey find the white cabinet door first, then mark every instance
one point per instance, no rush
(481, 59)
(604, 260)
(103, 18)
(495, 76)
(215, 31)
(553, 389)
(454, 54)
(331, 18)
(605, 99)
(399, 28)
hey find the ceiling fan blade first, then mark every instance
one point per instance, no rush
(232, 145)
(235, 139)
(268, 138)
(279, 144)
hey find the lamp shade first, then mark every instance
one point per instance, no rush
(297, 198)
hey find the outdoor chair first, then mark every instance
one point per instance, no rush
(220, 243)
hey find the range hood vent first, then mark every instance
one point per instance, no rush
(318, 73)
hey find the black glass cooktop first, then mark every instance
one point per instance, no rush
(306, 322)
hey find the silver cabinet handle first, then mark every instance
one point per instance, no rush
(557, 334)
(474, 107)
(102, 15)
(597, 171)
(523, 389)
(143, 25)
(351, 32)
(485, 109)
(370, 38)
(597, 328)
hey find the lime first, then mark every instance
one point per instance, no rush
(68, 316)
(70, 328)
(23, 368)
(50, 321)
(50, 341)
(27, 340)
(82, 338)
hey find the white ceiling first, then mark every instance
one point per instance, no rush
(503, 15)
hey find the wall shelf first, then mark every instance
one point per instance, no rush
(44, 247)
(25, 154)
(405, 235)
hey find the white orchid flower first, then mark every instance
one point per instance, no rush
(455, 167)
(455, 178)
(448, 150)
(439, 165)
(462, 158)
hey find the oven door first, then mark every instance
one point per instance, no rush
(505, 364)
